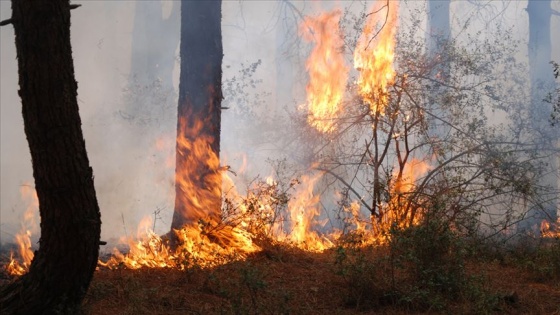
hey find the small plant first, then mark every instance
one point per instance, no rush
(542, 259)
(428, 261)
(360, 274)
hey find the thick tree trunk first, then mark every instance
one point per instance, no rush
(197, 180)
(542, 82)
(63, 266)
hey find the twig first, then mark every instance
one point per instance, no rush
(124, 225)
(6, 22)
(382, 26)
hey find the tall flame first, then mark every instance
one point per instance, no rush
(374, 55)
(303, 210)
(199, 179)
(327, 69)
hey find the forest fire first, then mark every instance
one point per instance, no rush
(374, 54)
(209, 238)
(223, 225)
(327, 70)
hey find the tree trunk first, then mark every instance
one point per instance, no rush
(154, 40)
(198, 179)
(542, 82)
(437, 38)
(63, 266)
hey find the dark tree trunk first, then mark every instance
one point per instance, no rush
(154, 40)
(542, 83)
(63, 266)
(199, 114)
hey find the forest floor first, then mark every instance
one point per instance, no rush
(284, 280)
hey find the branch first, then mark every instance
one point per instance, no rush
(75, 6)
(6, 22)
(349, 188)
(382, 26)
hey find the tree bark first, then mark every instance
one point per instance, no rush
(199, 114)
(542, 82)
(63, 266)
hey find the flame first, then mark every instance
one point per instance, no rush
(205, 240)
(398, 212)
(303, 210)
(213, 237)
(327, 70)
(374, 55)
(199, 179)
(198, 247)
(29, 226)
(207, 243)
(550, 229)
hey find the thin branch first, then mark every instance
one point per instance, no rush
(382, 26)
(349, 188)
(6, 22)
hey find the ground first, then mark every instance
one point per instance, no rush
(288, 281)
(283, 280)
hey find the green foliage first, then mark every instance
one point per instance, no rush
(423, 268)
(541, 259)
(361, 276)
(432, 255)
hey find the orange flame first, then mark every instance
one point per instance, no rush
(205, 240)
(197, 247)
(303, 210)
(200, 178)
(550, 229)
(397, 212)
(327, 69)
(29, 225)
(374, 55)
